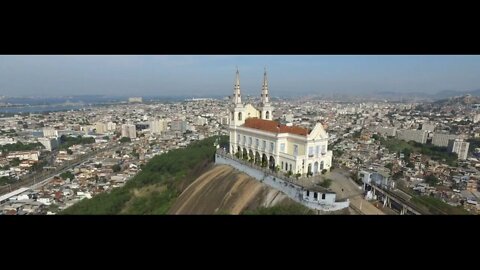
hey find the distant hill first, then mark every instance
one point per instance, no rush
(467, 99)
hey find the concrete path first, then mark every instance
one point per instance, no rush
(351, 190)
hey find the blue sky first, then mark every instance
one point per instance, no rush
(190, 75)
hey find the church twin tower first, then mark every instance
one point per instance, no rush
(242, 111)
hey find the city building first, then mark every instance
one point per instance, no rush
(428, 127)
(441, 139)
(476, 118)
(7, 140)
(387, 131)
(460, 147)
(111, 126)
(472, 185)
(224, 120)
(289, 118)
(158, 126)
(253, 135)
(178, 125)
(49, 143)
(24, 155)
(379, 178)
(129, 131)
(200, 121)
(135, 100)
(101, 128)
(50, 132)
(419, 136)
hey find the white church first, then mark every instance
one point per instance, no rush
(254, 136)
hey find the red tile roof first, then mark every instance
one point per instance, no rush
(273, 126)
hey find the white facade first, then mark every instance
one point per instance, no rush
(49, 143)
(428, 127)
(101, 128)
(460, 147)
(254, 135)
(200, 121)
(476, 118)
(158, 126)
(135, 99)
(7, 140)
(50, 132)
(111, 126)
(387, 131)
(419, 136)
(178, 125)
(24, 155)
(129, 131)
(311, 198)
(440, 139)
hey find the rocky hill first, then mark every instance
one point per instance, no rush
(224, 190)
(185, 181)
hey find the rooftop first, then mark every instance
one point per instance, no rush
(13, 193)
(274, 127)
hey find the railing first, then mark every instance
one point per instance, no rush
(269, 171)
(399, 199)
(265, 170)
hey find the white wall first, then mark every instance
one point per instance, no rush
(293, 191)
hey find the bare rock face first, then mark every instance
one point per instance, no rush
(224, 190)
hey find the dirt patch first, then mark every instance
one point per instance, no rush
(224, 190)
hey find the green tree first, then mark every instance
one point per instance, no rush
(125, 139)
(326, 183)
(173, 171)
(116, 168)
(15, 162)
(68, 175)
(432, 180)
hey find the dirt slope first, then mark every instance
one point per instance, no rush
(224, 190)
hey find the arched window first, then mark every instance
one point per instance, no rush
(233, 116)
(239, 116)
(267, 115)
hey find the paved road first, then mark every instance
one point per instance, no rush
(351, 190)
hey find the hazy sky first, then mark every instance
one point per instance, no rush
(131, 75)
